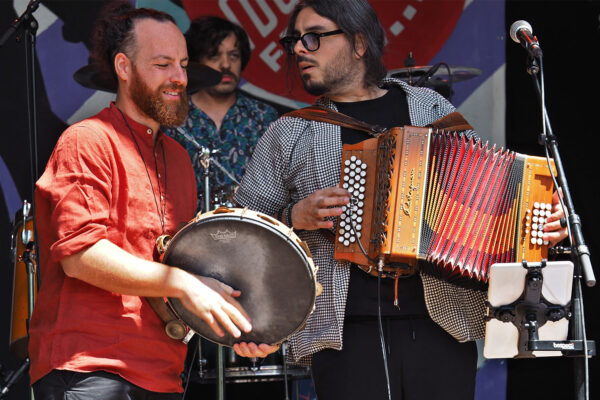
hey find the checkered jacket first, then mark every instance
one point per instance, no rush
(296, 157)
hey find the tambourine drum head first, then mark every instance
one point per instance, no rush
(274, 275)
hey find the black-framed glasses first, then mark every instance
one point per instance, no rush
(310, 40)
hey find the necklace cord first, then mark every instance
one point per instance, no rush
(161, 216)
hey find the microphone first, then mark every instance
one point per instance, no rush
(521, 32)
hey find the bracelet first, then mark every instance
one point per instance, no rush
(288, 215)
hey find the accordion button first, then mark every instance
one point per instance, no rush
(534, 233)
(361, 196)
(347, 162)
(535, 219)
(536, 205)
(358, 227)
(536, 212)
(346, 177)
(346, 243)
(358, 234)
(342, 224)
(534, 226)
(352, 239)
(347, 235)
(353, 158)
(546, 243)
(346, 170)
(345, 185)
(359, 212)
(358, 162)
(363, 181)
(533, 240)
(548, 206)
(542, 220)
(540, 241)
(363, 173)
(362, 189)
(341, 239)
(548, 213)
(359, 220)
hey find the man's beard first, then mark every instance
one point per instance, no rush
(166, 113)
(335, 75)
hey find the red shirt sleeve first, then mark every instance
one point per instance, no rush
(76, 191)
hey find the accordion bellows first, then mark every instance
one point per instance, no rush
(443, 202)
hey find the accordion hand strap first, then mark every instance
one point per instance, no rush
(324, 114)
(451, 122)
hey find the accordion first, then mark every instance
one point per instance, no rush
(442, 202)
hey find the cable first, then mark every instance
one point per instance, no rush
(380, 325)
(187, 381)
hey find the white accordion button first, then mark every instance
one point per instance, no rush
(353, 158)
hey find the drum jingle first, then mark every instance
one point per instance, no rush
(256, 254)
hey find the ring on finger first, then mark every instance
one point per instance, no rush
(563, 222)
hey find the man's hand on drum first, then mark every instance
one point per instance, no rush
(262, 350)
(310, 213)
(215, 303)
(555, 230)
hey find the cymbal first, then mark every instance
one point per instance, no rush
(441, 76)
(92, 77)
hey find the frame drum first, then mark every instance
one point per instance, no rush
(253, 253)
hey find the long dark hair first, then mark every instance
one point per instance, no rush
(352, 17)
(206, 34)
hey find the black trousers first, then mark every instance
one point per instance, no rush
(69, 385)
(425, 363)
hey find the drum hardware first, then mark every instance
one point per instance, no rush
(205, 159)
(434, 77)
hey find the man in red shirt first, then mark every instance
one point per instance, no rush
(113, 184)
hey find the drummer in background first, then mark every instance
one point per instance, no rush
(113, 184)
(337, 48)
(220, 117)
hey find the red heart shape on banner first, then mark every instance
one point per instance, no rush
(420, 26)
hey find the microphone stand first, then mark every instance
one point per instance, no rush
(580, 252)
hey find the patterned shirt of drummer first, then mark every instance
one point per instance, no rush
(243, 124)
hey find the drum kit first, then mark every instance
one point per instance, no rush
(439, 77)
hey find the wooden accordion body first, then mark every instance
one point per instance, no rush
(445, 203)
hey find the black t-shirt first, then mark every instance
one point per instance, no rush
(388, 111)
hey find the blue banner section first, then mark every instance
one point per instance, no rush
(478, 40)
